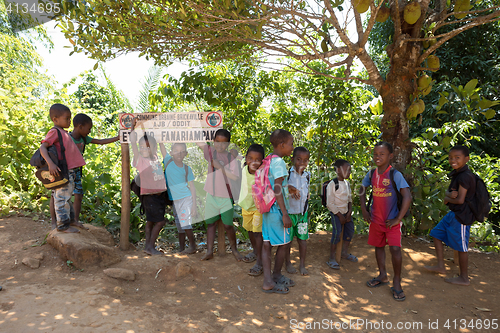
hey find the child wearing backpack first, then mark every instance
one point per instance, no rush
(181, 190)
(223, 168)
(276, 222)
(298, 188)
(454, 228)
(151, 180)
(61, 117)
(252, 218)
(339, 203)
(82, 124)
(385, 216)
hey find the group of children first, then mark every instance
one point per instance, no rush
(288, 216)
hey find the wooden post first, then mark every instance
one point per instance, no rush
(221, 239)
(338, 250)
(125, 213)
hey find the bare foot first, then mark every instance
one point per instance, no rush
(237, 255)
(207, 256)
(152, 252)
(303, 271)
(189, 250)
(436, 269)
(78, 224)
(290, 269)
(70, 230)
(458, 280)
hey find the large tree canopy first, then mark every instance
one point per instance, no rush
(331, 31)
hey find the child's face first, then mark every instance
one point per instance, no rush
(381, 156)
(300, 161)
(144, 148)
(344, 171)
(221, 143)
(178, 153)
(286, 147)
(254, 161)
(63, 121)
(457, 159)
(84, 130)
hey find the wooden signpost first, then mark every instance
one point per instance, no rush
(164, 127)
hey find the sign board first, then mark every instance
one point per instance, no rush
(172, 126)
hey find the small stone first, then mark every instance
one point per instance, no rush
(58, 268)
(38, 256)
(182, 269)
(120, 273)
(31, 262)
(119, 290)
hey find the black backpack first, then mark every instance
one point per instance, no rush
(323, 194)
(393, 183)
(480, 205)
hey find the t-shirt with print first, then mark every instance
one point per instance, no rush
(80, 142)
(301, 183)
(465, 178)
(277, 169)
(385, 199)
(218, 188)
(150, 175)
(74, 157)
(178, 188)
(246, 199)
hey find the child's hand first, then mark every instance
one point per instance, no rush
(217, 165)
(294, 193)
(453, 194)
(53, 169)
(194, 210)
(287, 222)
(342, 218)
(348, 217)
(366, 215)
(391, 223)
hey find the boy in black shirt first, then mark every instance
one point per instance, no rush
(454, 228)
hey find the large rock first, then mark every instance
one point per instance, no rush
(120, 273)
(84, 249)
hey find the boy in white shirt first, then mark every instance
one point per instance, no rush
(339, 202)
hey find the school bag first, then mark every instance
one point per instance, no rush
(323, 194)
(393, 183)
(49, 181)
(480, 204)
(262, 191)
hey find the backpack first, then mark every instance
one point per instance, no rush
(262, 191)
(323, 193)
(480, 205)
(393, 183)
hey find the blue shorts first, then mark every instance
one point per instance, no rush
(78, 181)
(273, 230)
(337, 229)
(452, 233)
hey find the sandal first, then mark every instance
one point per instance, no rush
(396, 293)
(256, 270)
(351, 258)
(287, 282)
(251, 257)
(333, 264)
(374, 283)
(278, 289)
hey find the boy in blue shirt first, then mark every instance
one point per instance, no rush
(454, 228)
(385, 217)
(276, 223)
(181, 190)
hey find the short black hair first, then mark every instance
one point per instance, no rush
(57, 110)
(81, 119)
(340, 163)
(300, 149)
(386, 145)
(256, 148)
(279, 136)
(463, 149)
(223, 132)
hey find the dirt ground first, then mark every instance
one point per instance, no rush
(219, 296)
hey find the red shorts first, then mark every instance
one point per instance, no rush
(380, 236)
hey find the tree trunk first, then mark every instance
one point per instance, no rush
(396, 91)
